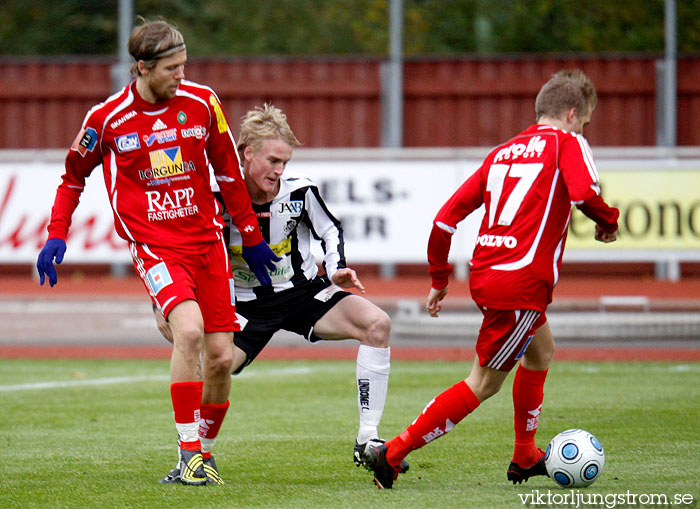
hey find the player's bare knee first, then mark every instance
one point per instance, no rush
(219, 363)
(548, 354)
(189, 337)
(490, 388)
(484, 391)
(485, 384)
(377, 332)
(539, 356)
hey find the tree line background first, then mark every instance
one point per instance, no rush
(354, 27)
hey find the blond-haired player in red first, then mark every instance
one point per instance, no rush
(155, 140)
(528, 186)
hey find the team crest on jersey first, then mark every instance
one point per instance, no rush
(128, 142)
(290, 208)
(85, 141)
(158, 277)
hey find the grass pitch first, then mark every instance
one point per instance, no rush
(101, 434)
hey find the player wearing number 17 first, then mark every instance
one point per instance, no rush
(528, 186)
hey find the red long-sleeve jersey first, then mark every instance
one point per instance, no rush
(528, 186)
(155, 160)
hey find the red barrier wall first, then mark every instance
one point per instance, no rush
(336, 102)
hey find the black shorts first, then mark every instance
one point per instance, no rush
(296, 310)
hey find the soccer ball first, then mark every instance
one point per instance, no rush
(574, 458)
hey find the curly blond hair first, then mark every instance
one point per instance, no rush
(264, 123)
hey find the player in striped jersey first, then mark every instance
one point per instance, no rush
(291, 212)
(528, 186)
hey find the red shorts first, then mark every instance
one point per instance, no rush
(171, 278)
(505, 335)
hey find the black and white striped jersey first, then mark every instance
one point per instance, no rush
(288, 223)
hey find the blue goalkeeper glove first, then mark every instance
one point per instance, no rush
(261, 259)
(54, 248)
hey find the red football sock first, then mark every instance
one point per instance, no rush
(527, 401)
(186, 397)
(190, 446)
(439, 417)
(212, 418)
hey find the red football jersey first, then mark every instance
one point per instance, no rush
(155, 160)
(528, 186)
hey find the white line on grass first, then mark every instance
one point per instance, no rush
(296, 370)
(79, 383)
(43, 307)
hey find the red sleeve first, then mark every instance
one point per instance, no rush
(224, 160)
(582, 182)
(603, 214)
(438, 251)
(578, 168)
(463, 202)
(82, 158)
(239, 206)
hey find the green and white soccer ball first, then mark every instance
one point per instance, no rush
(574, 458)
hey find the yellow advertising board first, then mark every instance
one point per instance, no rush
(659, 209)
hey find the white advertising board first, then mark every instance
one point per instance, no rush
(27, 192)
(386, 201)
(386, 207)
